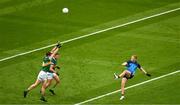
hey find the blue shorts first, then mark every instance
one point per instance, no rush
(129, 77)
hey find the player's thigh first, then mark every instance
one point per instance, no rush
(124, 80)
(49, 76)
(48, 83)
(44, 83)
(42, 76)
(56, 77)
(127, 73)
(37, 82)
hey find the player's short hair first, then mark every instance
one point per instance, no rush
(135, 56)
(48, 54)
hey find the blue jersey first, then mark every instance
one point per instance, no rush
(132, 66)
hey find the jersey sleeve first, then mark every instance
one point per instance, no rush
(128, 62)
(46, 60)
(54, 62)
(138, 65)
(50, 58)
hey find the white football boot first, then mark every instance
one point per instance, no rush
(115, 76)
(122, 97)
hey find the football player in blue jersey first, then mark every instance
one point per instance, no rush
(131, 67)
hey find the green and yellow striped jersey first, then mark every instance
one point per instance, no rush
(46, 68)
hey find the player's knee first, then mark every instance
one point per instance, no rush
(57, 82)
(57, 79)
(126, 72)
(43, 87)
(48, 84)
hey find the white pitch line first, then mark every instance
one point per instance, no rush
(94, 33)
(141, 83)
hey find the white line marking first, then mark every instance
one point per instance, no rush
(141, 83)
(87, 35)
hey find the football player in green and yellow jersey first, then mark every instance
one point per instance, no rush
(53, 74)
(42, 76)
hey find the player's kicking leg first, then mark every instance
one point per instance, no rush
(31, 87)
(124, 73)
(42, 78)
(35, 85)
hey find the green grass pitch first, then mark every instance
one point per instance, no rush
(88, 64)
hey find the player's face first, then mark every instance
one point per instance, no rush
(133, 59)
(57, 56)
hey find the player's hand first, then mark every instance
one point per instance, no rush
(59, 45)
(149, 75)
(57, 73)
(57, 67)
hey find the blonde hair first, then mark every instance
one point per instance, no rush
(135, 56)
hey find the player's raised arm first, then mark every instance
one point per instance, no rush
(55, 49)
(57, 46)
(144, 71)
(51, 54)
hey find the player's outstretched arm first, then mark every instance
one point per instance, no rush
(124, 64)
(144, 71)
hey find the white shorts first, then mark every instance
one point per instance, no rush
(42, 76)
(50, 75)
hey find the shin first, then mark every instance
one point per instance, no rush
(34, 85)
(123, 82)
(43, 88)
(57, 80)
(49, 81)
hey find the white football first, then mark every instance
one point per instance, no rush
(65, 10)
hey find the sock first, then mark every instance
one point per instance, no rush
(42, 96)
